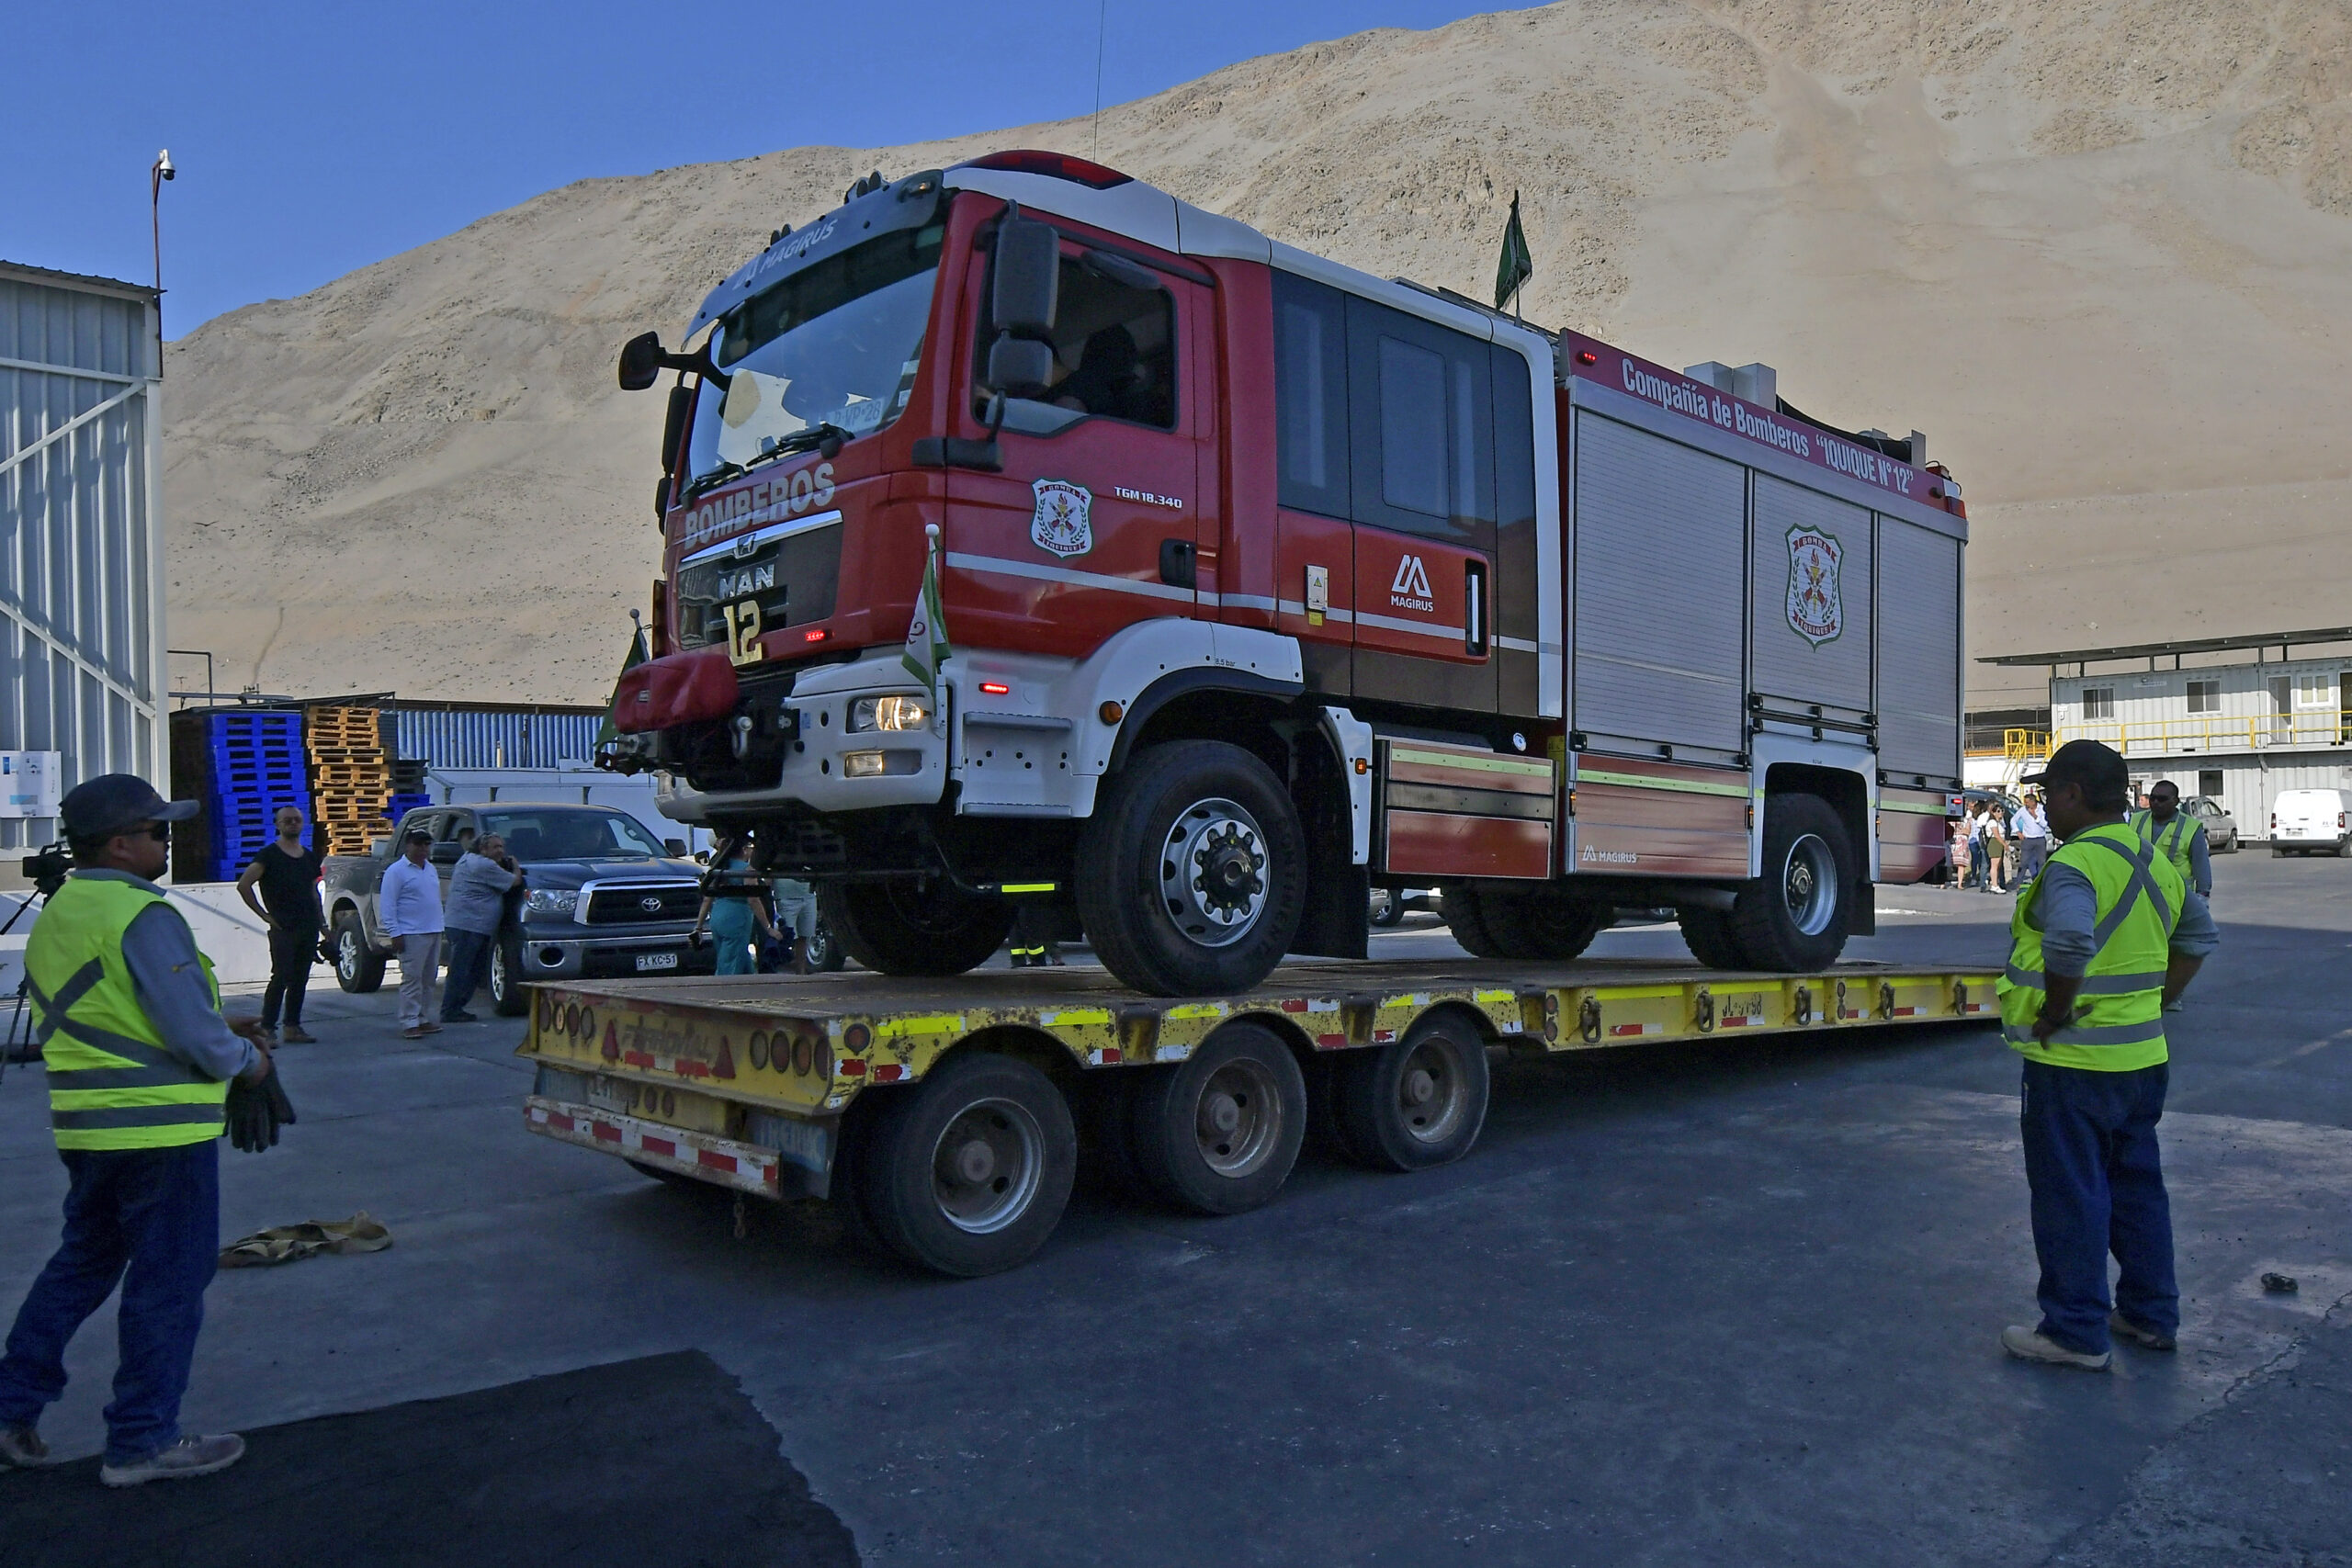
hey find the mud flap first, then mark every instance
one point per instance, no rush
(1862, 920)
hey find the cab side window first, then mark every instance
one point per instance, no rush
(1114, 349)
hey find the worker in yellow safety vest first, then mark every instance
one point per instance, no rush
(138, 1061)
(2101, 941)
(2178, 837)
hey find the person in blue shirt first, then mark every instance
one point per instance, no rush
(732, 921)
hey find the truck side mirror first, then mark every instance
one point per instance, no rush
(641, 361)
(675, 848)
(1019, 367)
(380, 847)
(1028, 278)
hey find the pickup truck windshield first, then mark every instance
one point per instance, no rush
(552, 833)
(837, 344)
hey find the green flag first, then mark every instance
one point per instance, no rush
(636, 656)
(927, 633)
(1516, 267)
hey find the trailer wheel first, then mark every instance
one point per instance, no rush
(1417, 1102)
(1218, 1133)
(1525, 927)
(1709, 935)
(1794, 916)
(968, 1173)
(356, 969)
(904, 926)
(1191, 874)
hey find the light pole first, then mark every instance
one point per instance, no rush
(160, 171)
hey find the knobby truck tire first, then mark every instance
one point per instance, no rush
(1708, 934)
(901, 927)
(1768, 935)
(1525, 927)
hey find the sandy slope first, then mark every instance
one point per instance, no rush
(2099, 250)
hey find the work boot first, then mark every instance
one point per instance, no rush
(296, 1035)
(2123, 1328)
(21, 1447)
(2032, 1345)
(189, 1457)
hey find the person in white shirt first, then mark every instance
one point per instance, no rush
(408, 907)
(2033, 836)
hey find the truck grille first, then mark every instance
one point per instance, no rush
(793, 573)
(626, 905)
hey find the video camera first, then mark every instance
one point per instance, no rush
(46, 871)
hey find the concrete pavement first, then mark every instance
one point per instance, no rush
(1737, 1302)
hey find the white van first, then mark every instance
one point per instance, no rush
(2311, 821)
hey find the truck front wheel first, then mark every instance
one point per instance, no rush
(358, 968)
(1191, 872)
(1793, 917)
(903, 927)
(968, 1172)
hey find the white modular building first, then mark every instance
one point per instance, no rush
(2235, 720)
(81, 643)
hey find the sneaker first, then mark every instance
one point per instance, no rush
(2174, 1006)
(413, 1032)
(2032, 1345)
(21, 1447)
(296, 1035)
(428, 1029)
(2123, 1328)
(189, 1457)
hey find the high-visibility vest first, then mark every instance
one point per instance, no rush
(2174, 840)
(2118, 1025)
(111, 1083)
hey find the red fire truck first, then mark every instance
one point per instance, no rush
(1265, 583)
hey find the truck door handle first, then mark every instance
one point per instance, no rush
(1474, 608)
(1176, 563)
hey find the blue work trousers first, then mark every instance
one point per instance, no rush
(2098, 1187)
(150, 1218)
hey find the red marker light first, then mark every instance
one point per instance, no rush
(1585, 356)
(996, 688)
(815, 634)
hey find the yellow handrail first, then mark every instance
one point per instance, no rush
(2211, 732)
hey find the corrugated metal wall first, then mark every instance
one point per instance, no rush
(81, 551)
(512, 740)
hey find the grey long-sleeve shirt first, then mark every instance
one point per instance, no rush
(160, 951)
(2065, 906)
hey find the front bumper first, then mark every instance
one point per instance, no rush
(549, 957)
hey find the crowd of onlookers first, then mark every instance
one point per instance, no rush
(1997, 847)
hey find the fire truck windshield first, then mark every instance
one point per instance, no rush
(834, 343)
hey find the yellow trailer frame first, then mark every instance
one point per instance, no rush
(743, 1081)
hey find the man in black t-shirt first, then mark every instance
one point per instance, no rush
(287, 874)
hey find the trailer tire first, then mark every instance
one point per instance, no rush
(1417, 1102)
(968, 1173)
(909, 928)
(1220, 807)
(1525, 927)
(1708, 934)
(1218, 1133)
(357, 969)
(1795, 916)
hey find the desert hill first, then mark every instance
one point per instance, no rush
(2099, 250)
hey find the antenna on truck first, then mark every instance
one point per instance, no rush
(1101, 22)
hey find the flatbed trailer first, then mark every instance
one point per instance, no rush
(945, 1115)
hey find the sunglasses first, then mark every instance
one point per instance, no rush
(159, 831)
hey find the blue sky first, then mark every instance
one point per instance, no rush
(314, 138)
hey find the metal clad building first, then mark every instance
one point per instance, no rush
(486, 736)
(82, 662)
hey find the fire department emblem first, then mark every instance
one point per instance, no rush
(1063, 522)
(1815, 612)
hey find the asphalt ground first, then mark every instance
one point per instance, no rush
(1733, 1302)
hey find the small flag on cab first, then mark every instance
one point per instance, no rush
(927, 647)
(1517, 265)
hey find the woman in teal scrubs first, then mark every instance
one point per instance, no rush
(731, 922)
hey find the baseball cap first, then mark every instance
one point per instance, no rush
(2101, 770)
(105, 806)
(413, 834)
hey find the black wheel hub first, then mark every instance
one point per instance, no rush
(1228, 865)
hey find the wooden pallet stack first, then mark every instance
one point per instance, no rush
(351, 776)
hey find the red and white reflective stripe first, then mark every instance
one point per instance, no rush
(1737, 1021)
(713, 1158)
(1638, 1029)
(1105, 1056)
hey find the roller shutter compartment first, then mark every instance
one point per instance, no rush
(1918, 650)
(1660, 544)
(1810, 613)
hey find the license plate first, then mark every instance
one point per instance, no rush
(609, 1094)
(649, 962)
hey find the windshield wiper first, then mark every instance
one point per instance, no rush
(821, 434)
(728, 468)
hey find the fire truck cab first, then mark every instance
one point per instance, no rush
(1265, 583)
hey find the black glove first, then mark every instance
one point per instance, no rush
(256, 1111)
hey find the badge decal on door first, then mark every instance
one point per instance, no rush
(1063, 522)
(1815, 612)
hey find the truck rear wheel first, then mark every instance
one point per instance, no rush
(1794, 916)
(903, 927)
(358, 969)
(1419, 1102)
(1218, 1133)
(968, 1173)
(1709, 935)
(1191, 872)
(1525, 927)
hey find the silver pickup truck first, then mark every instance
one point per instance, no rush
(604, 899)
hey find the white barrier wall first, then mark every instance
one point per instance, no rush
(226, 933)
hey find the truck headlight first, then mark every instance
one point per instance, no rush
(889, 713)
(552, 903)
